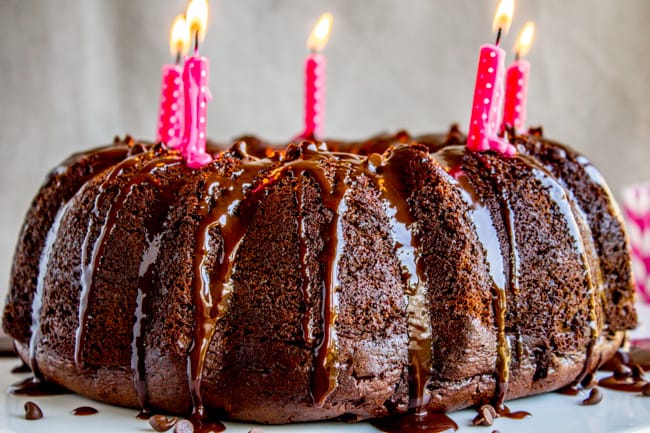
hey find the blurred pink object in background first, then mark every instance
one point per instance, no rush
(636, 206)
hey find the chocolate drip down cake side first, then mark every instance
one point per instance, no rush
(322, 280)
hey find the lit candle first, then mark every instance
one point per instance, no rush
(170, 116)
(196, 91)
(488, 93)
(315, 77)
(514, 109)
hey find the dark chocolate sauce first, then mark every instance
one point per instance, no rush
(388, 177)
(307, 324)
(144, 415)
(91, 258)
(571, 390)
(213, 285)
(154, 228)
(201, 425)
(427, 422)
(151, 162)
(504, 353)
(22, 368)
(36, 388)
(559, 196)
(628, 384)
(100, 159)
(324, 378)
(627, 375)
(505, 412)
(84, 411)
(37, 301)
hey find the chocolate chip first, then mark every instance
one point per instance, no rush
(496, 431)
(622, 371)
(646, 390)
(162, 422)
(184, 426)
(595, 397)
(32, 411)
(486, 415)
(637, 372)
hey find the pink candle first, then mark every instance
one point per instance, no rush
(315, 77)
(197, 96)
(315, 66)
(170, 116)
(196, 92)
(488, 91)
(514, 110)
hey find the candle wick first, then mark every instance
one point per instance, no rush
(498, 37)
(178, 57)
(517, 56)
(196, 42)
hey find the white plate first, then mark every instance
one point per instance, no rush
(618, 412)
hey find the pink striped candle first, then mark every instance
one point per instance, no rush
(170, 114)
(197, 96)
(196, 74)
(485, 118)
(315, 78)
(514, 109)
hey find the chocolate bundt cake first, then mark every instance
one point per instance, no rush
(319, 281)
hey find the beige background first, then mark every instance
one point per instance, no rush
(73, 73)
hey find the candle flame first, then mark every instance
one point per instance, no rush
(525, 39)
(503, 17)
(320, 33)
(179, 40)
(197, 18)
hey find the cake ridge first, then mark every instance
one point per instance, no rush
(38, 294)
(210, 305)
(153, 233)
(564, 205)
(452, 158)
(387, 179)
(90, 263)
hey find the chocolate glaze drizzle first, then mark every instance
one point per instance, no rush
(388, 178)
(91, 262)
(304, 159)
(154, 229)
(427, 422)
(37, 302)
(230, 213)
(504, 353)
(98, 160)
(34, 387)
(559, 195)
